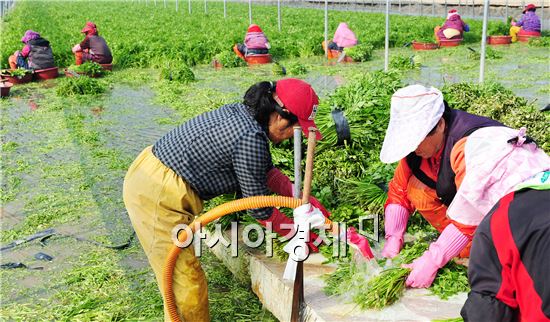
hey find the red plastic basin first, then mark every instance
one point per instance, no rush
(499, 40)
(525, 38)
(258, 59)
(216, 64)
(5, 88)
(333, 54)
(449, 42)
(348, 59)
(19, 79)
(424, 45)
(107, 66)
(48, 73)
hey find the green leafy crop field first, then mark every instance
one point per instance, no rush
(142, 36)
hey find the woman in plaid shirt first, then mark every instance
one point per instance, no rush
(222, 151)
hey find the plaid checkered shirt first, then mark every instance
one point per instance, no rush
(218, 152)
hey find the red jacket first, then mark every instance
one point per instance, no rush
(509, 261)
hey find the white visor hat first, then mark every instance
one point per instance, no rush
(415, 111)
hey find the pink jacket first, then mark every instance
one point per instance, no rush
(344, 37)
(255, 40)
(25, 51)
(489, 168)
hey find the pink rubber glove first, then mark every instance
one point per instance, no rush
(396, 217)
(280, 184)
(359, 242)
(278, 219)
(447, 246)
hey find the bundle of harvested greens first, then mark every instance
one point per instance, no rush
(361, 52)
(278, 69)
(296, 68)
(384, 289)
(365, 103)
(349, 277)
(229, 59)
(388, 287)
(178, 72)
(402, 62)
(339, 282)
(80, 86)
(88, 68)
(365, 193)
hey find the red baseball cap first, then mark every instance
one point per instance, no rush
(254, 28)
(529, 6)
(301, 100)
(88, 27)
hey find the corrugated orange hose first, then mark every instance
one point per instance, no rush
(222, 210)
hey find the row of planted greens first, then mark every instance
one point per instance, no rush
(151, 36)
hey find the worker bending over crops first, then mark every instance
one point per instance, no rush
(255, 43)
(528, 25)
(343, 38)
(218, 152)
(451, 159)
(93, 47)
(36, 54)
(453, 28)
(423, 131)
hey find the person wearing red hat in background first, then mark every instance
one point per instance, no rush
(93, 47)
(223, 151)
(528, 25)
(36, 54)
(255, 43)
(453, 28)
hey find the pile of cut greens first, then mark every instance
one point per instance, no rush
(84, 85)
(387, 287)
(88, 68)
(178, 72)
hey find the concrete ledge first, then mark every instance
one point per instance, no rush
(266, 279)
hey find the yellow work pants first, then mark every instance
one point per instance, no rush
(514, 33)
(157, 199)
